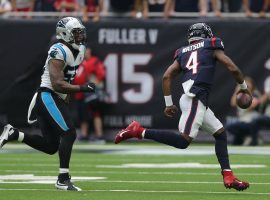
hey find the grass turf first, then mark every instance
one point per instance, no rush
(131, 183)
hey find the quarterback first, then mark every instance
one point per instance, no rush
(197, 63)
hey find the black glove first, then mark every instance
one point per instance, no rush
(89, 87)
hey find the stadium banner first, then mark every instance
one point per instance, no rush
(136, 53)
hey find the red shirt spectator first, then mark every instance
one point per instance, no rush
(66, 5)
(23, 5)
(92, 69)
(91, 5)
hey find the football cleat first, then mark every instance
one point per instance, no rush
(66, 185)
(134, 130)
(230, 181)
(7, 135)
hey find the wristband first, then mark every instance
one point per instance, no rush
(168, 100)
(243, 86)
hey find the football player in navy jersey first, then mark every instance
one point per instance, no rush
(197, 63)
(51, 110)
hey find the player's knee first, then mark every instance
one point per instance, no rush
(183, 142)
(184, 145)
(52, 150)
(70, 135)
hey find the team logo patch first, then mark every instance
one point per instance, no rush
(53, 53)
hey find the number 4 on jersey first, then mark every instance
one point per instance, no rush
(192, 63)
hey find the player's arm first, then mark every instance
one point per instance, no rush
(234, 70)
(172, 71)
(59, 84)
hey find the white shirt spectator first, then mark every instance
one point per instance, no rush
(5, 6)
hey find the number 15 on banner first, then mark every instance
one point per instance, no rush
(128, 75)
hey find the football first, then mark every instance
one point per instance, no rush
(243, 100)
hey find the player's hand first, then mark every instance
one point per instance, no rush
(89, 87)
(170, 111)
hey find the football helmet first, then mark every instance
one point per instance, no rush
(71, 30)
(199, 31)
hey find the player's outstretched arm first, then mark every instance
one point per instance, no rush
(172, 71)
(229, 64)
(235, 71)
(58, 82)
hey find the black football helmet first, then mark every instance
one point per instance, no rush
(199, 31)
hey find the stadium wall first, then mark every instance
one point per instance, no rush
(136, 54)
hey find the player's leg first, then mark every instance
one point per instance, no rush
(213, 126)
(46, 142)
(64, 128)
(190, 121)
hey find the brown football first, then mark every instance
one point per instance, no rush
(243, 100)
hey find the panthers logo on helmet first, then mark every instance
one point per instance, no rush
(63, 22)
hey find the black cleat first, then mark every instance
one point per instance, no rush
(66, 185)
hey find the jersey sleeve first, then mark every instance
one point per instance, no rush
(177, 55)
(216, 43)
(57, 52)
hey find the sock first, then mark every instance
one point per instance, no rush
(222, 151)
(65, 148)
(166, 137)
(143, 133)
(14, 136)
(21, 136)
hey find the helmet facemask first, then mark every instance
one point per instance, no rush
(79, 36)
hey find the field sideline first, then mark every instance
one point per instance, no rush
(133, 172)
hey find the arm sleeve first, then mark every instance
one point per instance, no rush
(57, 52)
(216, 43)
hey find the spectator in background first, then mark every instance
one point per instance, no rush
(92, 69)
(46, 6)
(263, 121)
(66, 5)
(154, 6)
(204, 7)
(186, 5)
(233, 5)
(23, 5)
(259, 6)
(5, 6)
(122, 6)
(92, 6)
(241, 129)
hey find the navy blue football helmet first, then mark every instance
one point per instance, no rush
(199, 31)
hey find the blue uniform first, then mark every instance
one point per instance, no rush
(198, 66)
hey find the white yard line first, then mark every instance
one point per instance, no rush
(26, 181)
(135, 172)
(144, 191)
(151, 150)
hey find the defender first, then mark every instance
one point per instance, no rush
(49, 103)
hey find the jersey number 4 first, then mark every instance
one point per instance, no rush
(192, 63)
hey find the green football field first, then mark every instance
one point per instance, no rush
(133, 172)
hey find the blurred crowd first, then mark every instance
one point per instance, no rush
(137, 8)
(245, 128)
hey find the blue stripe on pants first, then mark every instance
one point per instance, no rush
(53, 110)
(191, 116)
